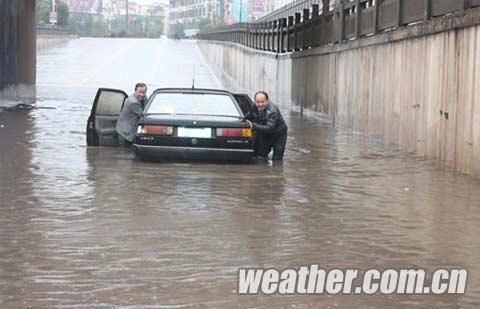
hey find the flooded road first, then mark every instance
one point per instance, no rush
(91, 228)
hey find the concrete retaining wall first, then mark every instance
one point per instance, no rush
(245, 70)
(49, 41)
(419, 93)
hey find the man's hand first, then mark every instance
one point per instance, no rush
(250, 124)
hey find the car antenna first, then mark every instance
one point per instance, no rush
(193, 81)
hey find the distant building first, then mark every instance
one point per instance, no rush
(258, 8)
(112, 8)
(240, 11)
(265, 8)
(139, 15)
(227, 12)
(85, 6)
(186, 14)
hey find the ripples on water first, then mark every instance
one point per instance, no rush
(92, 228)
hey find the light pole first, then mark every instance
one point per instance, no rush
(241, 2)
(126, 16)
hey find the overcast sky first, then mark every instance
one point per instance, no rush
(149, 1)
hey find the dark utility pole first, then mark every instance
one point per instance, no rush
(241, 3)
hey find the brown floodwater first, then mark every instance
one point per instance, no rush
(88, 227)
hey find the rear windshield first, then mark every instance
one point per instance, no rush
(193, 104)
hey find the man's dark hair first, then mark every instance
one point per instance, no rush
(140, 85)
(260, 92)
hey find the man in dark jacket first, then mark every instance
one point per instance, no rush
(131, 112)
(269, 128)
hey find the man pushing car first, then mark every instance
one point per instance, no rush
(131, 112)
(269, 127)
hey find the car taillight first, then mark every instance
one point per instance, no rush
(155, 130)
(234, 132)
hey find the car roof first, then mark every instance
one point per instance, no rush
(193, 90)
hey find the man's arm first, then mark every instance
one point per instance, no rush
(136, 108)
(269, 127)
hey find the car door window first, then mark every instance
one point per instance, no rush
(110, 103)
(105, 111)
(245, 104)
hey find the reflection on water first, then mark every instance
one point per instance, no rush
(90, 227)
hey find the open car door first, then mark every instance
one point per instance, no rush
(246, 104)
(103, 117)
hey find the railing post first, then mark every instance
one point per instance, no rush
(314, 19)
(341, 22)
(244, 39)
(279, 36)
(274, 36)
(254, 35)
(239, 34)
(296, 39)
(314, 10)
(399, 13)
(262, 36)
(265, 35)
(259, 35)
(325, 6)
(428, 10)
(306, 29)
(251, 35)
(271, 29)
(376, 16)
(357, 19)
(289, 27)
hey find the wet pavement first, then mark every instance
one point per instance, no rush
(91, 228)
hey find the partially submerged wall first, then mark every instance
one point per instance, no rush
(241, 69)
(49, 41)
(418, 93)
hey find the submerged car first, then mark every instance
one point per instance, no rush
(179, 124)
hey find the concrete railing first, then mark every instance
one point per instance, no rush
(296, 6)
(351, 19)
(49, 30)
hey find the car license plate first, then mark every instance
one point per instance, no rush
(195, 132)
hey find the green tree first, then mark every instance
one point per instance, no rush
(63, 14)
(43, 11)
(203, 23)
(99, 27)
(87, 25)
(154, 26)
